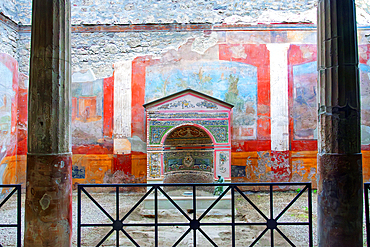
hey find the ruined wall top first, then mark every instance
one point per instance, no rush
(180, 11)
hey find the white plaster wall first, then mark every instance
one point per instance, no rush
(279, 96)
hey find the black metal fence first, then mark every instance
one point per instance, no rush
(195, 223)
(367, 217)
(14, 189)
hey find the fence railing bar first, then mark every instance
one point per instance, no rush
(97, 204)
(285, 237)
(117, 203)
(236, 224)
(271, 203)
(9, 225)
(174, 204)
(182, 237)
(232, 216)
(117, 215)
(137, 204)
(130, 238)
(293, 223)
(117, 238)
(251, 203)
(310, 233)
(105, 237)
(259, 237)
(8, 196)
(194, 203)
(367, 186)
(79, 216)
(194, 215)
(19, 214)
(272, 237)
(291, 203)
(195, 184)
(96, 225)
(207, 237)
(156, 216)
(214, 203)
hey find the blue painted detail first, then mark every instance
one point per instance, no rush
(78, 172)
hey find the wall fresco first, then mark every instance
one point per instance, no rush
(233, 82)
(87, 109)
(304, 101)
(6, 96)
(218, 128)
(223, 164)
(365, 102)
(8, 119)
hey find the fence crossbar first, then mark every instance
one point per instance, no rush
(214, 203)
(97, 204)
(174, 204)
(285, 237)
(366, 192)
(137, 204)
(292, 202)
(251, 203)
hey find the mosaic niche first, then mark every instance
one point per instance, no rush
(192, 160)
(183, 129)
(218, 128)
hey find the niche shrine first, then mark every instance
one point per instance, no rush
(188, 138)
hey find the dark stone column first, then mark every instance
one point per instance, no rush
(48, 209)
(339, 154)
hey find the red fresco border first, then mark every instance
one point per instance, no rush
(108, 88)
(295, 57)
(22, 121)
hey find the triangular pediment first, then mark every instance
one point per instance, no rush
(187, 100)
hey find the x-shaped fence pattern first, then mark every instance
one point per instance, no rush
(195, 223)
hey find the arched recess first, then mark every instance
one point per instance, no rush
(188, 155)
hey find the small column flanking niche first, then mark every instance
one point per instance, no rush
(188, 138)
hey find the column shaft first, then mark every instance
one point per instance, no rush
(339, 154)
(48, 209)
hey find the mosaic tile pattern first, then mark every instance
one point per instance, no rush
(188, 115)
(154, 165)
(220, 133)
(156, 134)
(192, 160)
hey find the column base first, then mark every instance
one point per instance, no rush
(340, 193)
(48, 207)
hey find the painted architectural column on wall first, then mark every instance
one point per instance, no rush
(279, 96)
(340, 204)
(48, 207)
(122, 117)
